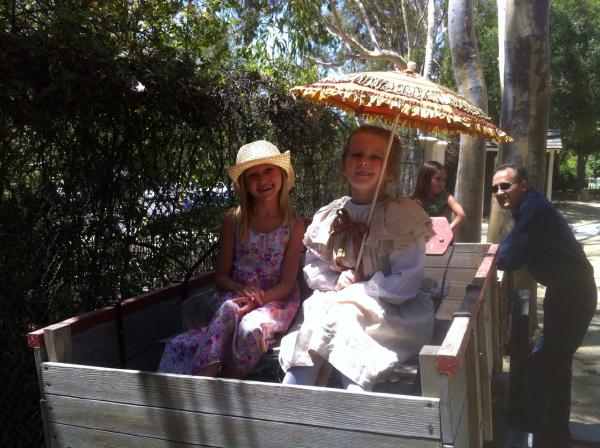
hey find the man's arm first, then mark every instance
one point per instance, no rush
(519, 245)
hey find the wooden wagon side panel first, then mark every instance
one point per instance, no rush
(213, 430)
(459, 371)
(198, 410)
(67, 436)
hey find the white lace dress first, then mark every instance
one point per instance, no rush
(370, 326)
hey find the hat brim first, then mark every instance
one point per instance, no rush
(283, 161)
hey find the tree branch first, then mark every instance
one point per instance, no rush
(363, 12)
(354, 46)
(405, 20)
(330, 64)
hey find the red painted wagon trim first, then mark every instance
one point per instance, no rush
(35, 339)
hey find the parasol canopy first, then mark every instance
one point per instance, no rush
(406, 96)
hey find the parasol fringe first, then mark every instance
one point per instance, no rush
(415, 112)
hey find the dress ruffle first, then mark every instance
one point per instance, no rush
(396, 224)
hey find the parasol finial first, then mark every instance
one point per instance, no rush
(411, 67)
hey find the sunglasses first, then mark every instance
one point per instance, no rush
(502, 186)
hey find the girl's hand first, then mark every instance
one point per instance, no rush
(256, 294)
(245, 304)
(345, 279)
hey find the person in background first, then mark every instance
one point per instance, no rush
(542, 240)
(430, 193)
(259, 253)
(363, 319)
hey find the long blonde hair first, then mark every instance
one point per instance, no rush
(243, 211)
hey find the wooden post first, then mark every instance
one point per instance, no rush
(519, 351)
(428, 369)
(498, 323)
(486, 349)
(57, 339)
(41, 356)
(474, 389)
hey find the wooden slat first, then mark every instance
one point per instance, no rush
(97, 346)
(390, 414)
(196, 311)
(474, 390)
(459, 260)
(97, 317)
(148, 359)
(453, 275)
(461, 438)
(478, 248)
(67, 436)
(215, 430)
(77, 324)
(143, 328)
(454, 345)
(137, 303)
(462, 435)
(448, 307)
(484, 333)
(428, 369)
(497, 322)
(57, 339)
(453, 403)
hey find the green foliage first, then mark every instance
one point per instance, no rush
(593, 166)
(575, 77)
(566, 173)
(111, 114)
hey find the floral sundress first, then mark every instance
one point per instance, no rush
(239, 343)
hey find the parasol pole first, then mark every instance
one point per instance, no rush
(379, 182)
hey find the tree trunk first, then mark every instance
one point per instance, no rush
(405, 20)
(582, 159)
(430, 39)
(468, 76)
(525, 102)
(525, 97)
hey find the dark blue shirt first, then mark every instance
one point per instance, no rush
(542, 240)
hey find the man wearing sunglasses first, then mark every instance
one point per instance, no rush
(542, 240)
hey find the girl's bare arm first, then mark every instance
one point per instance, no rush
(459, 214)
(223, 280)
(289, 268)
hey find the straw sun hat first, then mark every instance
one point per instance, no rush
(257, 153)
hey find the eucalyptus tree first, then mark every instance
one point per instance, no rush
(525, 105)
(575, 79)
(468, 75)
(352, 35)
(525, 93)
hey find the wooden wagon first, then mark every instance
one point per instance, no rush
(99, 386)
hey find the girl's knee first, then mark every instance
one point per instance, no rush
(228, 309)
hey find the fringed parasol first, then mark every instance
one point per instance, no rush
(416, 101)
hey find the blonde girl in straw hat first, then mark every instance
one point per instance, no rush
(362, 319)
(259, 251)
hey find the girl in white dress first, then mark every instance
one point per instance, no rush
(362, 320)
